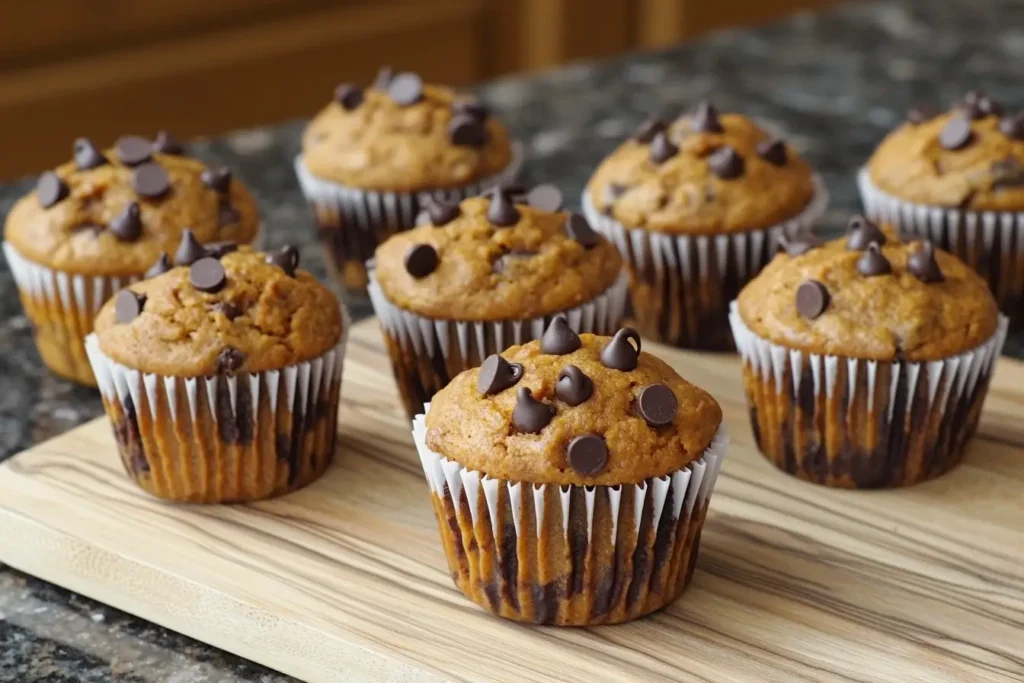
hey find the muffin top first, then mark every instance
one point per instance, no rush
(400, 135)
(971, 157)
(509, 256)
(573, 409)
(114, 212)
(870, 296)
(702, 174)
(240, 311)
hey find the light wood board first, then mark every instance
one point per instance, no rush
(346, 580)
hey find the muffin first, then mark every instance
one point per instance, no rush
(222, 378)
(371, 156)
(697, 207)
(958, 179)
(99, 222)
(866, 360)
(570, 482)
(483, 275)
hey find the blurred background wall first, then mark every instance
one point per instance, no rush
(103, 68)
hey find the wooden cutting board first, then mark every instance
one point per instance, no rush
(346, 580)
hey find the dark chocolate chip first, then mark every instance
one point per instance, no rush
(989, 107)
(227, 309)
(726, 163)
(587, 454)
(662, 149)
(502, 212)
(151, 181)
(956, 134)
(207, 275)
(1012, 126)
(467, 131)
(50, 189)
(230, 360)
(812, 299)
(440, 212)
(872, 262)
(577, 227)
(648, 129)
(922, 264)
(218, 179)
(383, 79)
(530, 415)
(472, 107)
(286, 258)
(919, 115)
(657, 404)
(559, 339)
(165, 143)
(162, 265)
(406, 88)
(573, 387)
(128, 305)
(127, 225)
(706, 119)
(220, 249)
(133, 150)
(800, 243)
(773, 151)
(349, 96)
(545, 198)
(189, 250)
(87, 155)
(497, 375)
(620, 354)
(421, 260)
(863, 232)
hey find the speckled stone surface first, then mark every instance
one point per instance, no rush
(834, 83)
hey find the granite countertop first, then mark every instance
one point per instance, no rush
(834, 82)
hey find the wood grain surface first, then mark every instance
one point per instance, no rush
(346, 580)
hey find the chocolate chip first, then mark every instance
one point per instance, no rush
(421, 260)
(662, 149)
(773, 151)
(989, 107)
(545, 198)
(439, 212)
(706, 119)
(128, 305)
(165, 143)
(227, 309)
(1012, 126)
(577, 227)
(657, 404)
(573, 387)
(151, 181)
(383, 79)
(612, 191)
(862, 232)
(467, 131)
(619, 354)
(221, 249)
(50, 189)
(502, 212)
(922, 264)
(800, 243)
(87, 155)
(648, 129)
(587, 454)
(349, 96)
(189, 250)
(162, 265)
(497, 375)
(218, 179)
(872, 262)
(127, 225)
(978, 105)
(530, 415)
(812, 299)
(559, 339)
(286, 258)
(919, 115)
(472, 107)
(726, 163)
(956, 134)
(230, 360)
(406, 88)
(207, 275)
(133, 150)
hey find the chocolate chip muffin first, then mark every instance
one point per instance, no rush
(570, 478)
(958, 179)
(372, 155)
(484, 274)
(867, 359)
(97, 223)
(696, 207)
(222, 375)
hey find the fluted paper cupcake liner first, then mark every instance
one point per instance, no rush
(681, 285)
(856, 423)
(222, 438)
(427, 353)
(570, 555)
(353, 221)
(990, 242)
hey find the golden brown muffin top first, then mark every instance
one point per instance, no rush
(246, 312)
(971, 157)
(114, 212)
(403, 136)
(903, 301)
(700, 175)
(509, 256)
(618, 417)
